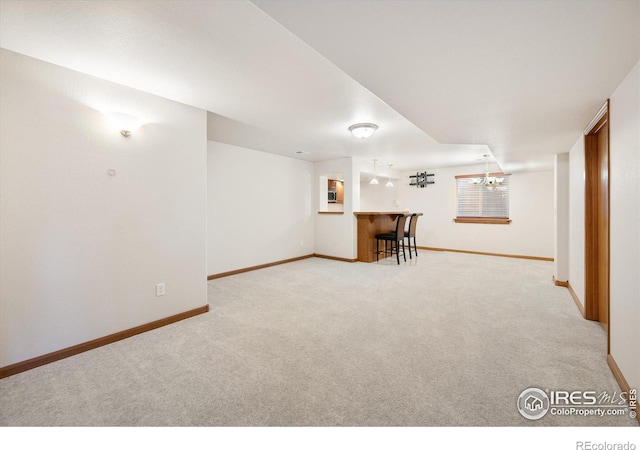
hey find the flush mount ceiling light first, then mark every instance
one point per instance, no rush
(374, 180)
(363, 130)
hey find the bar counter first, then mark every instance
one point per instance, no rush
(372, 223)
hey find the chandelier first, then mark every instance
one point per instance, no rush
(488, 181)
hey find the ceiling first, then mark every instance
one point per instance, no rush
(445, 81)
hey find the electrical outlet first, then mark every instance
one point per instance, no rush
(159, 289)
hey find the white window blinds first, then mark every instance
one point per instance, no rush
(476, 199)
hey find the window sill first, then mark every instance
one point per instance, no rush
(495, 220)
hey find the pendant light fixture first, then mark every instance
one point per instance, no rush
(488, 181)
(374, 180)
(389, 183)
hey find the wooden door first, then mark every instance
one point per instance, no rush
(603, 226)
(597, 218)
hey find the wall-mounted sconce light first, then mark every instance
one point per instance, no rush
(363, 130)
(126, 123)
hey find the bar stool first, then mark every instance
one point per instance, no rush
(394, 238)
(411, 233)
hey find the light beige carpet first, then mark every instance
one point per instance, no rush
(445, 339)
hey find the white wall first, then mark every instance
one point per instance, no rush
(82, 251)
(531, 209)
(335, 234)
(378, 197)
(624, 160)
(624, 164)
(561, 211)
(259, 208)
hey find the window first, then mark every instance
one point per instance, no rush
(483, 198)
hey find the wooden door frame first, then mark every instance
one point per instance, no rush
(593, 184)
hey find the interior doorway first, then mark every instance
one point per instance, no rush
(596, 152)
